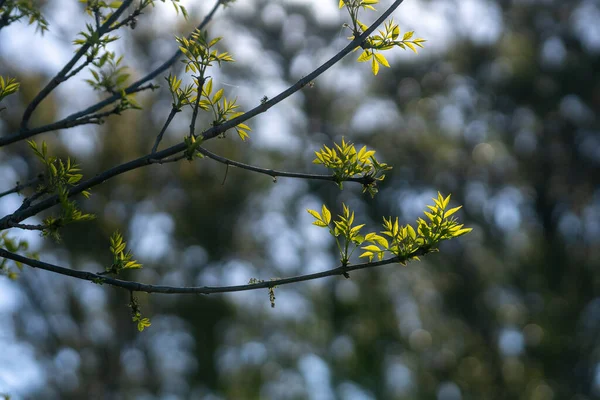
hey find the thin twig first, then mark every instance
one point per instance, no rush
(225, 177)
(364, 180)
(21, 186)
(28, 200)
(131, 18)
(164, 128)
(77, 70)
(142, 287)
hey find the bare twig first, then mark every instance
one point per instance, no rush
(225, 177)
(28, 200)
(131, 18)
(77, 70)
(21, 186)
(142, 287)
(164, 128)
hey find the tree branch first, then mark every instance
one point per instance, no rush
(142, 287)
(364, 180)
(28, 227)
(168, 160)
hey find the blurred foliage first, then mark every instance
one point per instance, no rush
(508, 123)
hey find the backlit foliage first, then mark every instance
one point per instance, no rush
(271, 289)
(69, 213)
(199, 55)
(108, 75)
(59, 176)
(385, 40)
(8, 86)
(14, 246)
(345, 162)
(59, 173)
(347, 237)
(16, 10)
(402, 242)
(121, 259)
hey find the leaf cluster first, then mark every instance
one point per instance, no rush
(69, 213)
(14, 10)
(402, 241)
(222, 109)
(93, 38)
(199, 53)
(342, 229)
(8, 86)
(103, 10)
(58, 177)
(182, 96)
(385, 40)
(58, 173)
(109, 75)
(345, 162)
(121, 259)
(14, 246)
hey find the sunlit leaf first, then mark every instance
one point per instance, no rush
(365, 56)
(381, 59)
(326, 214)
(451, 211)
(375, 66)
